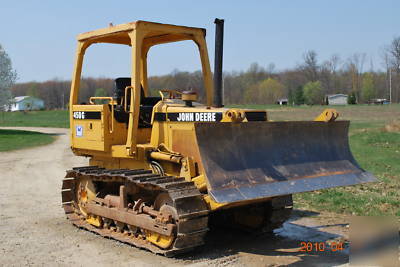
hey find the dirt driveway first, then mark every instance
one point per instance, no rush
(34, 231)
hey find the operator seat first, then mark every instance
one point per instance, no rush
(146, 103)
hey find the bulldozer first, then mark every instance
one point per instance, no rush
(163, 168)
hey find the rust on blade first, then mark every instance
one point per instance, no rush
(253, 160)
(322, 174)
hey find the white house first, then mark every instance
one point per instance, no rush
(338, 99)
(20, 103)
(282, 101)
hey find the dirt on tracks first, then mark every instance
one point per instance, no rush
(34, 230)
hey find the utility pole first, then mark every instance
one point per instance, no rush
(390, 85)
(63, 105)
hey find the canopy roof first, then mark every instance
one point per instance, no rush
(154, 33)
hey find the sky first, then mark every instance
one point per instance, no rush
(40, 36)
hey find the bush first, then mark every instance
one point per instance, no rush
(299, 96)
(352, 99)
(313, 93)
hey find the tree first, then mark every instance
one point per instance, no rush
(355, 68)
(313, 93)
(240, 87)
(368, 91)
(100, 92)
(298, 98)
(8, 77)
(33, 91)
(351, 100)
(394, 50)
(310, 66)
(328, 74)
(267, 91)
(392, 58)
(290, 97)
(271, 90)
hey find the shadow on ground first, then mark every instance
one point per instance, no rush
(285, 242)
(26, 133)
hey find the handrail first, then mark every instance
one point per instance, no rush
(100, 98)
(126, 99)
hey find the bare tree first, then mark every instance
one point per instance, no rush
(328, 74)
(240, 87)
(385, 55)
(271, 68)
(394, 66)
(334, 63)
(8, 77)
(355, 67)
(394, 50)
(310, 66)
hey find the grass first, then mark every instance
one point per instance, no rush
(379, 153)
(375, 150)
(48, 118)
(16, 139)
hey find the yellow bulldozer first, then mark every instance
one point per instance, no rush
(161, 169)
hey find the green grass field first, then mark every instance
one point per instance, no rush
(376, 150)
(16, 139)
(379, 153)
(48, 118)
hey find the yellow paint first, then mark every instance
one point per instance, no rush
(94, 220)
(85, 193)
(233, 115)
(200, 183)
(159, 240)
(141, 36)
(187, 169)
(327, 115)
(112, 144)
(212, 205)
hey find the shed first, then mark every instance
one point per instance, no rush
(282, 101)
(337, 99)
(20, 103)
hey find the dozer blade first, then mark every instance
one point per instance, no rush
(253, 160)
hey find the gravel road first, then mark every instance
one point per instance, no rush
(34, 230)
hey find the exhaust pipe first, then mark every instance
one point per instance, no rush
(219, 47)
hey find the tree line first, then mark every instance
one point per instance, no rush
(307, 83)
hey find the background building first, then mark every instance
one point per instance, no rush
(20, 103)
(282, 101)
(338, 99)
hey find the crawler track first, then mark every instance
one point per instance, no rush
(278, 211)
(192, 217)
(270, 215)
